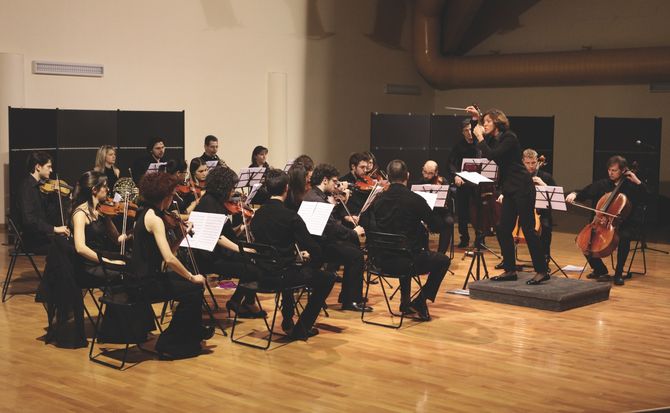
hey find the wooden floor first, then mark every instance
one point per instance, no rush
(473, 356)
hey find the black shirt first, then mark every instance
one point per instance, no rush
(206, 158)
(214, 205)
(358, 197)
(141, 165)
(335, 230)
(276, 225)
(32, 213)
(461, 150)
(513, 177)
(636, 195)
(111, 178)
(146, 260)
(400, 211)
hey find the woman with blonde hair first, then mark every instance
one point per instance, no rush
(105, 162)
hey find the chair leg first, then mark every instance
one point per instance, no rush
(8, 278)
(388, 305)
(39, 273)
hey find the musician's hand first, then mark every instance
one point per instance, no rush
(249, 250)
(458, 181)
(123, 237)
(538, 181)
(473, 112)
(305, 255)
(479, 132)
(571, 197)
(632, 177)
(360, 231)
(198, 279)
(500, 198)
(114, 262)
(189, 226)
(62, 230)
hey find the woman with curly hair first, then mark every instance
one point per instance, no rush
(182, 338)
(226, 260)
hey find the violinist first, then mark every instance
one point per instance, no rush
(34, 208)
(635, 191)
(540, 178)
(518, 191)
(298, 183)
(198, 171)
(95, 236)
(400, 211)
(183, 336)
(259, 157)
(340, 244)
(358, 179)
(156, 153)
(226, 260)
(211, 149)
(184, 198)
(465, 148)
(105, 162)
(431, 176)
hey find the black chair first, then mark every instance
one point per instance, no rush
(268, 260)
(640, 238)
(380, 246)
(17, 250)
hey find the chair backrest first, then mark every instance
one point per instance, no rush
(380, 244)
(264, 256)
(14, 232)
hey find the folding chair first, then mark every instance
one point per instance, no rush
(17, 250)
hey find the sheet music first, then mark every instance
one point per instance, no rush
(554, 193)
(117, 197)
(207, 230)
(288, 165)
(155, 167)
(252, 194)
(376, 190)
(211, 164)
(430, 198)
(315, 215)
(473, 177)
(489, 167)
(442, 192)
(250, 176)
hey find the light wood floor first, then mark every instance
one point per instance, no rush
(473, 356)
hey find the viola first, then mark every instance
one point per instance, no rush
(175, 229)
(49, 187)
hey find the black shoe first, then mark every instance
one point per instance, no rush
(421, 310)
(287, 325)
(354, 306)
(207, 333)
(463, 244)
(407, 309)
(506, 276)
(536, 281)
(618, 279)
(500, 265)
(604, 278)
(594, 275)
(300, 334)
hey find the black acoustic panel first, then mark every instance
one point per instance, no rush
(441, 156)
(399, 131)
(536, 132)
(445, 131)
(645, 164)
(622, 134)
(72, 163)
(414, 158)
(137, 128)
(86, 128)
(32, 128)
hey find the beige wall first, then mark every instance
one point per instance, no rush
(211, 58)
(574, 109)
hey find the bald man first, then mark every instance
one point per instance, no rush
(430, 175)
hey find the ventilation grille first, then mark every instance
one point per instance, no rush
(67, 69)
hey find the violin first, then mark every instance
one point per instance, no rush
(236, 205)
(175, 229)
(49, 187)
(110, 209)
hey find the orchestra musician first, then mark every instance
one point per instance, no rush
(183, 336)
(400, 211)
(465, 148)
(156, 153)
(259, 157)
(518, 191)
(340, 244)
(431, 176)
(105, 162)
(635, 191)
(298, 183)
(276, 225)
(359, 166)
(211, 149)
(540, 178)
(34, 208)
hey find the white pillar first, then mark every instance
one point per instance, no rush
(277, 119)
(11, 94)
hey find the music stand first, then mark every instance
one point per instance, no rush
(250, 177)
(442, 192)
(550, 198)
(288, 165)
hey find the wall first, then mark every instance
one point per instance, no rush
(212, 58)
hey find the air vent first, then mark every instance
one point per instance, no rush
(67, 69)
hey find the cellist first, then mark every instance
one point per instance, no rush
(635, 191)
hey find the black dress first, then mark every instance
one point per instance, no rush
(183, 335)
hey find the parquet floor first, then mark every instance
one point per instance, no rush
(473, 356)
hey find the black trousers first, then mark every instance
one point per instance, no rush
(435, 264)
(350, 255)
(447, 231)
(623, 249)
(463, 195)
(519, 205)
(545, 236)
(235, 267)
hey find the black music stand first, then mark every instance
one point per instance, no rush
(550, 198)
(442, 192)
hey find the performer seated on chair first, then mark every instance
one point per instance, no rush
(95, 236)
(541, 178)
(276, 225)
(340, 244)
(226, 260)
(155, 153)
(635, 191)
(431, 176)
(151, 248)
(518, 191)
(400, 211)
(359, 163)
(33, 207)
